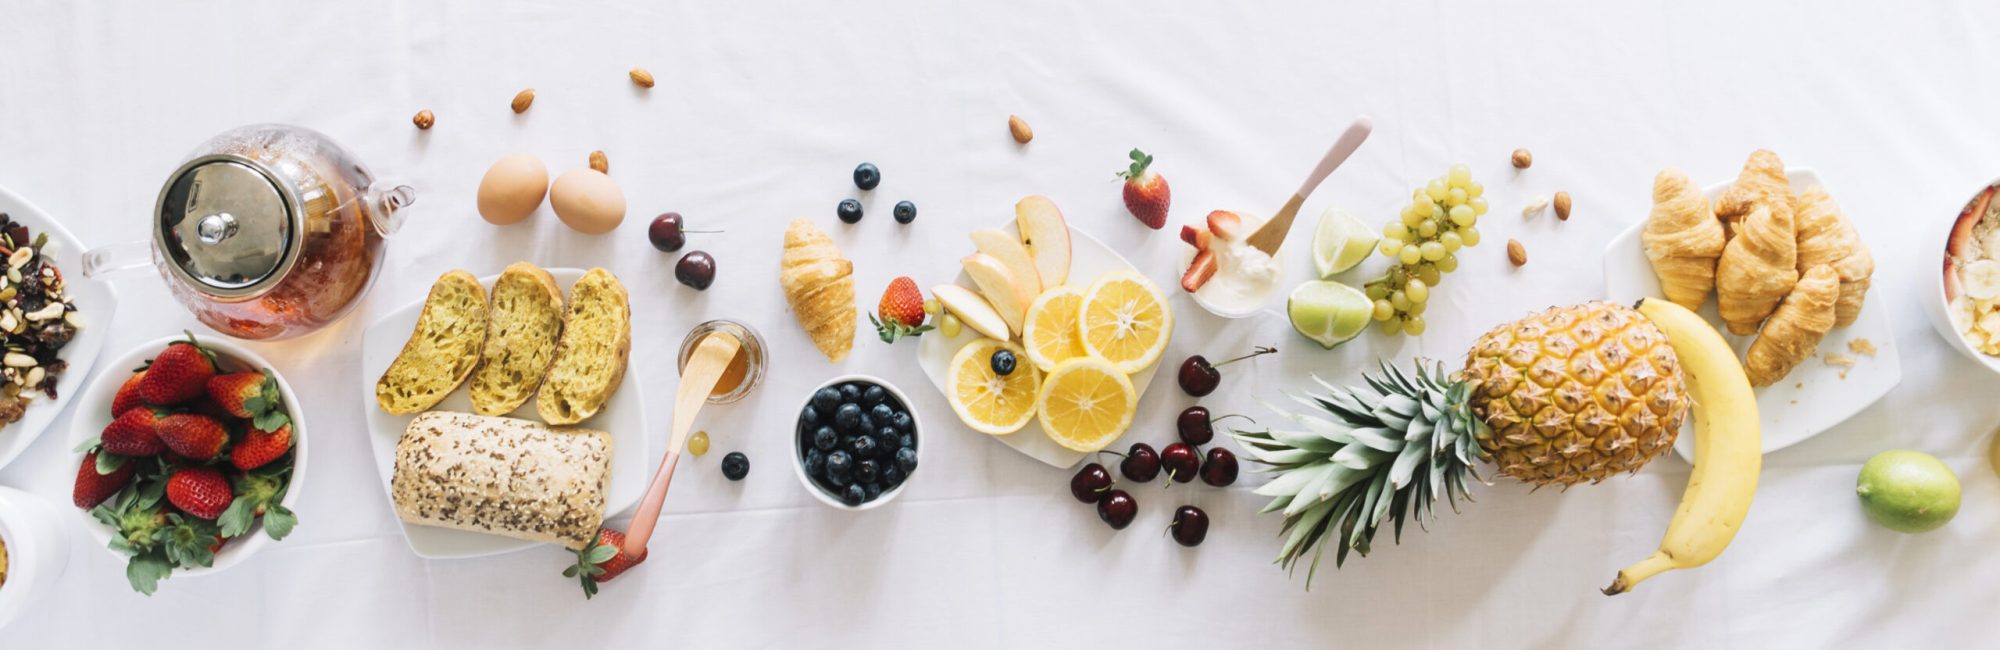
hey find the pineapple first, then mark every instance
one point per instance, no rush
(1569, 395)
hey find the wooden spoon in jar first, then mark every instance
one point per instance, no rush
(1272, 233)
(704, 368)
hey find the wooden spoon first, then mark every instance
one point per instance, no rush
(1268, 237)
(697, 381)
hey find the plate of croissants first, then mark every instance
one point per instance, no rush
(1773, 263)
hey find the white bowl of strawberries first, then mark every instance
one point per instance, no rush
(188, 463)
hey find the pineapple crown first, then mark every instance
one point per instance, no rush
(1365, 456)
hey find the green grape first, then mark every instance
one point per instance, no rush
(1474, 189)
(1419, 206)
(1411, 219)
(1417, 309)
(1376, 291)
(1400, 300)
(1391, 246)
(1478, 206)
(1417, 291)
(1429, 273)
(1437, 190)
(1427, 229)
(1393, 326)
(1396, 230)
(1438, 213)
(698, 444)
(1410, 255)
(1383, 310)
(1430, 250)
(1461, 175)
(1448, 264)
(1462, 216)
(1413, 325)
(948, 325)
(1458, 197)
(1470, 235)
(1452, 242)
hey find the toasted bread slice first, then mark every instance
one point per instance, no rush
(521, 341)
(442, 351)
(590, 359)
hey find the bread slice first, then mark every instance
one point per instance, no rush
(502, 476)
(442, 351)
(521, 341)
(590, 360)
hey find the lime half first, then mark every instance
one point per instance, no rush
(1329, 313)
(1341, 242)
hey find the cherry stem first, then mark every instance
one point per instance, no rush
(705, 232)
(1260, 350)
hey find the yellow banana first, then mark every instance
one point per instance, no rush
(1728, 451)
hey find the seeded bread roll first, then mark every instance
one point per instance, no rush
(503, 476)
(442, 351)
(527, 318)
(590, 359)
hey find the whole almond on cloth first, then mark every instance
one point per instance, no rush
(1019, 128)
(523, 99)
(1562, 206)
(1517, 253)
(642, 77)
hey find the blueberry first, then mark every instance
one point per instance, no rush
(906, 212)
(867, 176)
(826, 399)
(909, 442)
(887, 439)
(850, 392)
(815, 463)
(882, 414)
(902, 422)
(838, 465)
(853, 495)
(809, 415)
(874, 490)
(892, 477)
(849, 211)
(863, 447)
(874, 396)
(906, 459)
(824, 439)
(1003, 362)
(847, 418)
(867, 471)
(735, 466)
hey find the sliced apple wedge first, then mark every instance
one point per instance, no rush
(1046, 236)
(1009, 295)
(1006, 248)
(973, 310)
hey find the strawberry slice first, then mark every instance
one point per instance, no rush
(1199, 271)
(1225, 224)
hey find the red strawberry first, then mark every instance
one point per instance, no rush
(136, 433)
(1199, 271)
(180, 373)
(257, 448)
(198, 437)
(602, 559)
(1146, 193)
(902, 311)
(128, 395)
(200, 491)
(247, 395)
(1226, 224)
(93, 488)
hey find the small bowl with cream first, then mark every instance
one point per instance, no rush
(1225, 274)
(1964, 304)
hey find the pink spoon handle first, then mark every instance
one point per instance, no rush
(649, 508)
(1350, 140)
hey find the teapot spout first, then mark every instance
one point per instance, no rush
(385, 208)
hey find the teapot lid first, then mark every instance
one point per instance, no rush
(226, 227)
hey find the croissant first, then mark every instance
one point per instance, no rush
(1827, 237)
(819, 284)
(1758, 267)
(1795, 330)
(1762, 181)
(1682, 238)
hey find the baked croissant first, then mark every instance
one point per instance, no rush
(1682, 239)
(1758, 267)
(819, 284)
(1795, 330)
(1762, 181)
(1827, 237)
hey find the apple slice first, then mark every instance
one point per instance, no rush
(973, 310)
(1008, 294)
(1008, 250)
(1199, 271)
(1046, 236)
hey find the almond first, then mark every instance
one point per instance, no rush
(599, 162)
(642, 77)
(1516, 253)
(1522, 159)
(1019, 128)
(523, 99)
(424, 119)
(1562, 206)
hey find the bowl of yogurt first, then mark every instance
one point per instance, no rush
(1964, 300)
(1243, 279)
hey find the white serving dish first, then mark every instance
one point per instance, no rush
(798, 445)
(1936, 308)
(1203, 298)
(93, 413)
(93, 299)
(37, 550)
(1089, 259)
(1816, 396)
(624, 417)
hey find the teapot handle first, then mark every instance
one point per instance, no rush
(104, 260)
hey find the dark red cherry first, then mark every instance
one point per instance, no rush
(1194, 426)
(1190, 526)
(1141, 463)
(1181, 461)
(1117, 509)
(1199, 377)
(1090, 483)
(1219, 468)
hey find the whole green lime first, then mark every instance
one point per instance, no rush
(1909, 491)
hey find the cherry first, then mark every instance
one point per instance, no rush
(1117, 509)
(1141, 464)
(1219, 469)
(1196, 428)
(1181, 461)
(667, 233)
(1090, 483)
(696, 269)
(1199, 377)
(1190, 526)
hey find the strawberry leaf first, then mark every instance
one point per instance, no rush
(108, 463)
(146, 571)
(268, 421)
(237, 518)
(87, 445)
(279, 521)
(601, 554)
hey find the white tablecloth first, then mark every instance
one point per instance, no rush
(759, 116)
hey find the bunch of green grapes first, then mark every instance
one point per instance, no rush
(1424, 244)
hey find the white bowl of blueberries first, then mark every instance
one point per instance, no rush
(856, 444)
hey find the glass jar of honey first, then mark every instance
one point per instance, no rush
(745, 371)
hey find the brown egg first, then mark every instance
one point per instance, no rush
(512, 189)
(588, 201)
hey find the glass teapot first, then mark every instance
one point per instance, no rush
(266, 231)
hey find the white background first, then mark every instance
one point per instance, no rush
(759, 116)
